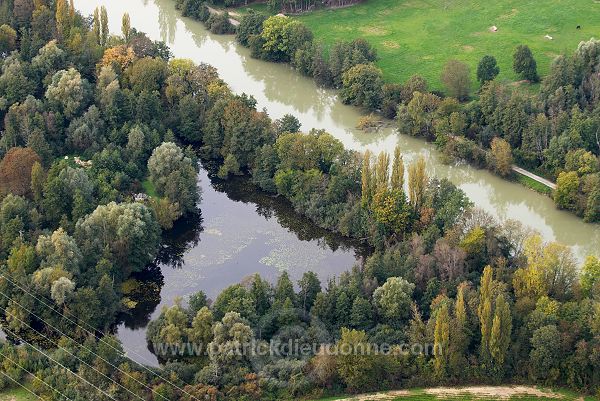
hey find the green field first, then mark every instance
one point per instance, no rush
(419, 36)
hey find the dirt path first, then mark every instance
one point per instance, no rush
(233, 21)
(539, 179)
(444, 393)
(389, 395)
(498, 392)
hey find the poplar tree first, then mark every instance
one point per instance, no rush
(96, 25)
(382, 176)
(126, 26)
(398, 170)
(460, 321)
(460, 310)
(500, 334)
(417, 182)
(103, 26)
(62, 18)
(459, 340)
(484, 311)
(441, 341)
(367, 180)
(38, 179)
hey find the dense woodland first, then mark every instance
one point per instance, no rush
(92, 120)
(554, 133)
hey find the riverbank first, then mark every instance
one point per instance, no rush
(533, 181)
(234, 20)
(532, 184)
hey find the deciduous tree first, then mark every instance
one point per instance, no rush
(417, 182)
(500, 157)
(174, 175)
(68, 92)
(128, 231)
(393, 298)
(441, 341)
(8, 39)
(126, 26)
(456, 77)
(361, 86)
(15, 171)
(397, 179)
(567, 187)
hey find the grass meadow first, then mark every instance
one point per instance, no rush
(419, 36)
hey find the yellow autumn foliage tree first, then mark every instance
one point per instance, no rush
(121, 56)
(551, 270)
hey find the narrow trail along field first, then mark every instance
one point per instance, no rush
(462, 393)
(496, 392)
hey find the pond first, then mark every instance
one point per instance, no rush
(238, 232)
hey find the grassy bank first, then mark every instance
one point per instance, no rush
(532, 184)
(20, 394)
(417, 36)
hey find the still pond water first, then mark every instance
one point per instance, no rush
(240, 232)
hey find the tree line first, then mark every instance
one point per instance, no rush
(191, 7)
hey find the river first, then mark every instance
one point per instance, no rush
(234, 239)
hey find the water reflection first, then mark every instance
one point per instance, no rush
(146, 294)
(184, 235)
(167, 21)
(271, 207)
(241, 231)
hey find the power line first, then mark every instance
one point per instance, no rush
(50, 306)
(28, 372)
(86, 348)
(66, 350)
(57, 362)
(14, 381)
